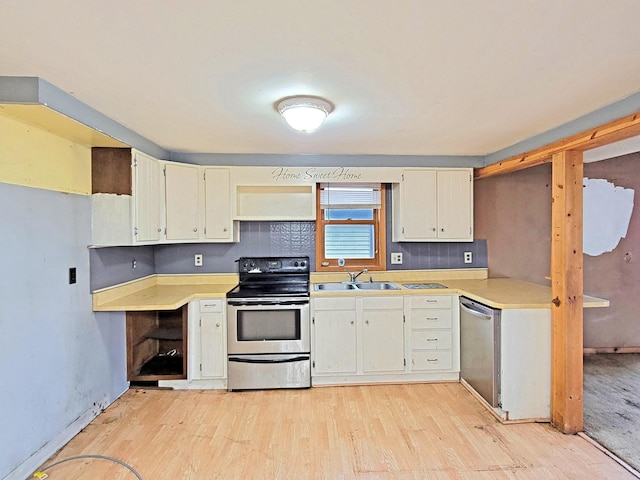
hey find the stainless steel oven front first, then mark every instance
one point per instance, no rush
(268, 343)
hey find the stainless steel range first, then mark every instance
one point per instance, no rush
(268, 339)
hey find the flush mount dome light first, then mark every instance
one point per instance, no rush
(304, 113)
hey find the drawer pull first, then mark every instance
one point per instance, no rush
(432, 359)
(432, 318)
(432, 339)
(431, 301)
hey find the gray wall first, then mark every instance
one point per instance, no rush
(60, 362)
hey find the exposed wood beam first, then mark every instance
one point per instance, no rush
(566, 291)
(621, 129)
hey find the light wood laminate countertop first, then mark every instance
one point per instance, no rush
(169, 292)
(162, 292)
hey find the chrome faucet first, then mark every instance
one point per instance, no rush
(353, 276)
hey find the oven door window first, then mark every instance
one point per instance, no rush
(268, 325)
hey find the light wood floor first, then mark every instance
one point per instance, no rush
(418, 431)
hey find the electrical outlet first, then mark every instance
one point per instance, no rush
(134, 263)
(468, 257)
(197, 260)
(396, 259)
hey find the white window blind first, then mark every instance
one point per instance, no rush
(349, 195)
(349, 241)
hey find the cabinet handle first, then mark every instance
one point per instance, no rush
(432, 359)
(432, 339)
(432, 319)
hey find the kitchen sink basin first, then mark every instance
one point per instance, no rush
(342, 286)
(334, 286)
(376, 286)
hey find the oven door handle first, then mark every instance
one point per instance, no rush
(300, 358)
(284, 303)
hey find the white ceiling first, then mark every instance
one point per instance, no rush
(408, 77)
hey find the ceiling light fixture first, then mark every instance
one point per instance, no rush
(304, 113)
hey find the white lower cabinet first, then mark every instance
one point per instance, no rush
(357, 339)
(207, 346)
(382, 335)
(334, 349)
(434, 333)
(369, 339)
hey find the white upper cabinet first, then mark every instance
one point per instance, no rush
(455, 205)
(182, 201)
(433, 205)
(147, 198)
(126, 197)
(219, 225)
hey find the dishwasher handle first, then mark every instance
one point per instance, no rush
(469, 309)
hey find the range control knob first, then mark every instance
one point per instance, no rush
(302, 264)
(295, 264)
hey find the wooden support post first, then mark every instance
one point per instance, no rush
(567, 294)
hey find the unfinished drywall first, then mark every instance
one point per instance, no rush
(513, 213)
(615, 275)
(607, 213)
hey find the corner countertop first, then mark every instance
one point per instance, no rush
(162, 292)
(169, 292)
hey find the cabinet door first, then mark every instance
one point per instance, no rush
(334, 342)
(182, 201)
(212, 339)
(418, 205)
(382, 341)
(455, 217)
(147, 198)
(217, 193)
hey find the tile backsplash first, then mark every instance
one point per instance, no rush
(112, 265)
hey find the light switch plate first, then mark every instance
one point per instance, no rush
(396, 259)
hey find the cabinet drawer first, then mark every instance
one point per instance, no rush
(431, 339)
(211, 306)
(334, 303)
(432, 360)
(431, 301)
(427, 318)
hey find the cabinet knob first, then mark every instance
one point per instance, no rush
(195, 229)
(442, 229)
(366, 322)
(433, 229)
(159, 230)
(352, 322)
(217, 325)
(224, 229)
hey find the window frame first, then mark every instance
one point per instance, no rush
(378, 262)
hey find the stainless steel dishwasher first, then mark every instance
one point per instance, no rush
(480, 349)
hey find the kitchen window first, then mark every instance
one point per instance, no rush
(350, 226)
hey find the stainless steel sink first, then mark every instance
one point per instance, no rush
(376, 286)
(342, 286)
(334, 286)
